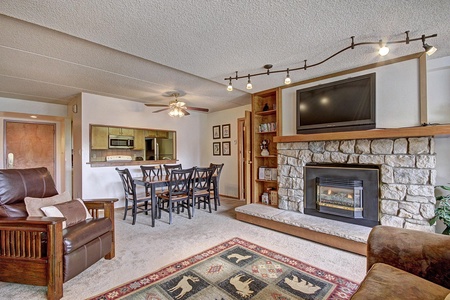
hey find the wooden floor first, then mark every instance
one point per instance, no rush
(272, 218)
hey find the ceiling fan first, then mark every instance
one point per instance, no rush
(176, 108)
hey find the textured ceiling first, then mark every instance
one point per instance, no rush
(51, 50)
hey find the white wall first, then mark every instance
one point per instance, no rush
(229, 178)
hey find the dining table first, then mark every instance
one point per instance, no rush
(154, 182)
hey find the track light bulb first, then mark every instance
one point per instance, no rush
(249, 83)
(230, 86)
(429, 49)
(384, 50)
(287, 80)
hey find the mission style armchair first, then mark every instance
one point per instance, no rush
(37, 250)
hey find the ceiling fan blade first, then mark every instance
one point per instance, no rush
(197, 108)
(155, 105)
(160, 110)
(186, 112)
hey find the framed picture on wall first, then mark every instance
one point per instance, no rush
(216, 132)
(226, 131)
(216, 148)
(226, 148)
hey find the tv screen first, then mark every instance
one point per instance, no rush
(343, 105)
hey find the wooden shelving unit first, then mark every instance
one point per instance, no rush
(265, 124)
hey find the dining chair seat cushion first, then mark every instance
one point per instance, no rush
(83, 232)
(74, 211)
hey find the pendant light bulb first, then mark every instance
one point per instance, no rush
(287, 80)
(249, 83)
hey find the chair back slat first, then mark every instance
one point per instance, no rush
(128, 183)
(202, 179)
(169, 168)
(180, 182)
(150, 171)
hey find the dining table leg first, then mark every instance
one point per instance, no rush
(154, 205)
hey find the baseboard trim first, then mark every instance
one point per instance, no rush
(322, 238)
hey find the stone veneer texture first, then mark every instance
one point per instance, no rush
(407, 174)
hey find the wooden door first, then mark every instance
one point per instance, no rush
(30, 145)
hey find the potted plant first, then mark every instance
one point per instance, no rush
(442, 212)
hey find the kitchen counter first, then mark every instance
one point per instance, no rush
(95, 164)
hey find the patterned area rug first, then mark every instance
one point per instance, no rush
(236, 269)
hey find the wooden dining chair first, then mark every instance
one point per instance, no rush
(215, 183)
(169, 168)
(150, 171)
(201, 188)
(138, 205)
(178, 193)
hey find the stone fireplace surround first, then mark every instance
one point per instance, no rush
(407, 174)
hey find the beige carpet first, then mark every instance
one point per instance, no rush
(141, 249)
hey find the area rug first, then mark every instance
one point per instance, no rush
(236, 269)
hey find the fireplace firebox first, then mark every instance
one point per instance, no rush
(341, 197)
(347, 193)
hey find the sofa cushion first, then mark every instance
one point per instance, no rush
(386, 282)
(34, 205)
(77, 235)
(16, 184)
(74, 211)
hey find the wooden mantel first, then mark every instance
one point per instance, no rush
(430, 130)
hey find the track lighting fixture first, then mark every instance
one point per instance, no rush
(287, 80)
(429, 50)
(383, 50)
(249, 83)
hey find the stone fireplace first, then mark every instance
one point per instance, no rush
(406, 175)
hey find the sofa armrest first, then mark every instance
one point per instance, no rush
(105, 205)
(424, 254)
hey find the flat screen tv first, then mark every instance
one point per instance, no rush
(342, 105)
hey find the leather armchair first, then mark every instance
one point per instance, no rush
(406, 264)
(37, 250)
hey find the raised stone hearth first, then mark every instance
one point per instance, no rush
(407, 174)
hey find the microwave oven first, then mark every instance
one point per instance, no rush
(121, 141)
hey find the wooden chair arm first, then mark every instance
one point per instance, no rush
(105, 205)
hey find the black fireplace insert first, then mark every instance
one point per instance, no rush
(342, 192)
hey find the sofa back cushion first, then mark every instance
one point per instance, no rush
(16, 184)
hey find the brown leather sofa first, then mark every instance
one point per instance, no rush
(406, 264)
(37, 250)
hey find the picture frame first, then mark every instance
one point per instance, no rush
(216, 132)
(226, 148)
(216, 148)
(226, 131)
